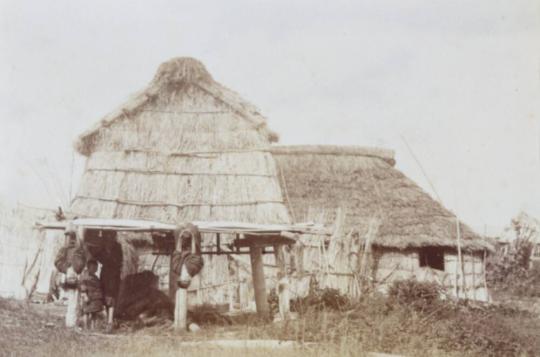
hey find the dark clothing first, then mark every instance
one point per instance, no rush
(91, 286)
(110, 257)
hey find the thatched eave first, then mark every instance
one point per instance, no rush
(364, 185)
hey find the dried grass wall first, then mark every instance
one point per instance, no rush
(339, 269)
(184, 156)
(26, 255)
(186, 151)
(392, 265)
(358, 192)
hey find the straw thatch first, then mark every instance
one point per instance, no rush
(364, 182)
(381, 220)
(184, 149)
(26, 255)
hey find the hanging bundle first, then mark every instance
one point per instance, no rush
(187, 254)
(70, 260)
(193, 263)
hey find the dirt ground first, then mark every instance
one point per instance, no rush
(38, 330)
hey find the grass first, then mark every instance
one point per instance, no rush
(33, 330)
(412, 321)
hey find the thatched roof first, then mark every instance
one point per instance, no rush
(171, 76)
(184, 149)
(316, 180)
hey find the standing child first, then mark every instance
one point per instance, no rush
(92, 295)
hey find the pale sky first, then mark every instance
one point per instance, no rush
(460, 80)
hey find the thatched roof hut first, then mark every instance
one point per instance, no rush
(185, 148)
(409, 234)
(365, 183)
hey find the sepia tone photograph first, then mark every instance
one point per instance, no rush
(270, 178)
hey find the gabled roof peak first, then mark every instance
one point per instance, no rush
(170, 77)
(182, 69)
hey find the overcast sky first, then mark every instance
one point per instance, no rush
(459, 80)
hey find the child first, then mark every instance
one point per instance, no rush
(92, 295)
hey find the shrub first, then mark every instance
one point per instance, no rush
(415, 294)
(510, 272)
(321, 299)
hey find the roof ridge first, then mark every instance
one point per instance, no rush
(386, 155)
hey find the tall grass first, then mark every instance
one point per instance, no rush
(412, 321)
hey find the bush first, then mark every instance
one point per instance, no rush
(510, 272)
(321, 299)
(415, 294)
(413, 319)
(458, 325)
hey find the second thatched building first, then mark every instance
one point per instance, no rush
(386, 227)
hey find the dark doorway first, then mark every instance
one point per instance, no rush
(432, 257)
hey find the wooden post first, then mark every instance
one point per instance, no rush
(180, 296)
(283, 282)
(279, 256)
(284, 298)
(460, 258)
(259, 284)
(181, 304)
(488, 298)
(72, 303)
(473, 277)
(72, 295)
(173, 277)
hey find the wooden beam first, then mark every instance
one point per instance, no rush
(259, 284)
(262, 241)
(223, 252)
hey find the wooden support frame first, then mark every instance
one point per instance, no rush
(180, 294)
(255, 237)
(262, 240)
(283, 283)
(259, 283)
